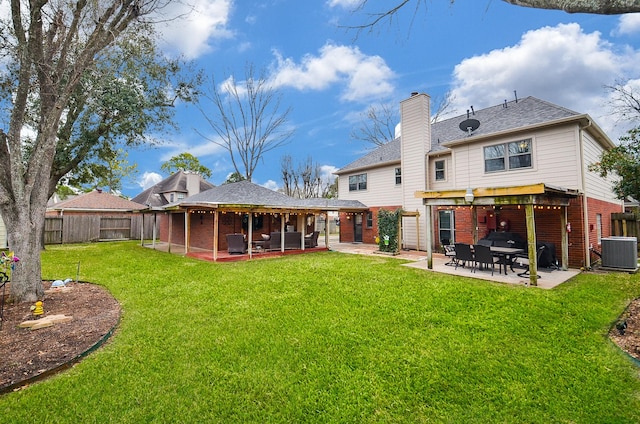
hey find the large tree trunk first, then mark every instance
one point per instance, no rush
(24, 230)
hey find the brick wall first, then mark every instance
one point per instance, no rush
(547, 224)
(201, 227)
(368, 233)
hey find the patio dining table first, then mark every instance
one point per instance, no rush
(506, 255)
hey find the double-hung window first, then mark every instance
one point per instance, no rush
(369, 219)
(358, 182)
(398, 176)
(508, 156)
(440, 171)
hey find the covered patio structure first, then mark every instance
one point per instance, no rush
(522, 204)
(202, 222)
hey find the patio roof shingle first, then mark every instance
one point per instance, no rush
(246, 194)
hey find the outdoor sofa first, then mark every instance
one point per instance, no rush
(292, 240)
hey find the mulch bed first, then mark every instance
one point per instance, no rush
(626, 332)
(26, 354)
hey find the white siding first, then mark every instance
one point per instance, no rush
(416, 141)
(596, 186)
(449, 181)
(555, 161)
(381, 187)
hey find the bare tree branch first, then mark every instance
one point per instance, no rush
(378, 125)
(625, 104)
(306, 181)
(247, 120)
(390, 13)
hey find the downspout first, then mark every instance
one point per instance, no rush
(428, 217)
(585, 212)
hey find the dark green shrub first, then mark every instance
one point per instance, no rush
(388, 227)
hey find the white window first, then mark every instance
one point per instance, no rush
(440, 171)
(358, 182)
(398, 175)
(508, 156)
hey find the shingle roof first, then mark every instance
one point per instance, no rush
(242, 192)
(504, 117)
(383, 155)
(248, 194)
(97, 200)
(174, 183)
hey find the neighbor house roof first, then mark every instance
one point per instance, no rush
(175, 183)
(247, 195)
(508, 116)
(97, 200)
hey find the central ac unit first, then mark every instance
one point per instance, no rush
(620, 253)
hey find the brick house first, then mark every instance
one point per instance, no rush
(203, 220)
(518, 167)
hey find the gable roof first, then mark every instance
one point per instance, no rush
(245, 195)
(97, 200)
(175, 183)
(508, 116)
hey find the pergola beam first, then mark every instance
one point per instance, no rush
(530, 196)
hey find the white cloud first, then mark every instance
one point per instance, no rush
(198, 23)
(345, 4)
(149, 179)
(199, 150)
(326, 173)
(271, 185)
(628, 24)
(559, 64)
(365, 77)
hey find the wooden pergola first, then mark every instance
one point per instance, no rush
(250, 211)
(246, 198)
(527, 196)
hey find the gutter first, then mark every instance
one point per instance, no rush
(344, 171)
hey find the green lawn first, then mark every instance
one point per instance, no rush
(330, 337)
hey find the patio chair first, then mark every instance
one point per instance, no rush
(311, 240)
(236, 243)
(450, 253)
(482, 256)
(524, 261)
(463, 254)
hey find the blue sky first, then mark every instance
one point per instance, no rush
(479, 50)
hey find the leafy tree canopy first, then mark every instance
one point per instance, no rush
(185, 162)
(623, 161)
(79, 80)
(234, 177)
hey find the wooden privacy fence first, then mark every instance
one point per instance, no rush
(92, 228)
(625, 225)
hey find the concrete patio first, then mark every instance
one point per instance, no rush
(417, 259)
(548, 278)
